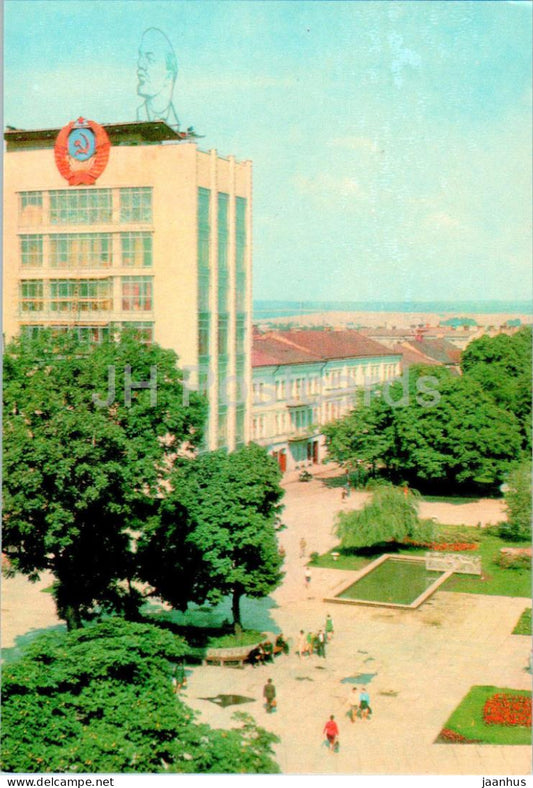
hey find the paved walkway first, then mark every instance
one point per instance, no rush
(418, 664)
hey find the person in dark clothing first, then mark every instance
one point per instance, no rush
(269, 694)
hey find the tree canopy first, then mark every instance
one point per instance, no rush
(217, 529)
(100, 699)
(390, 516)
(439, 429)
(83, 464)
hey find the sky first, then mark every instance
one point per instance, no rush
(390, 140)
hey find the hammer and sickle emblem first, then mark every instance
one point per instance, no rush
(81, 149)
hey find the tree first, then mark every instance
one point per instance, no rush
(518, 504)
(431, 427)
(463, 438)
(217, 530)
(83, 468)
(364, 436)
(390, 516)
(100, 699)
(502, 366)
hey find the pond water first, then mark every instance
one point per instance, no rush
(395, 581)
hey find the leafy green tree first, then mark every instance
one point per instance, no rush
(217, 529)
(518, 504)
(83, 465)
(364, 436)
(100, 699)
(430, 427)
(390, 516)
(462, 438)
(502, 366)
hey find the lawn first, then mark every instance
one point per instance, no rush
(467, 719)
(523, 626)
(495, 579)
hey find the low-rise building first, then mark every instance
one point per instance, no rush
(304, 379)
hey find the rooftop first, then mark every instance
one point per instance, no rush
(138, 133)
(306, 347)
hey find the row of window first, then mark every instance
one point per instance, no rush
(95, 334)
(86, 250)
(85, 206)
(304, 387)
(85, 295)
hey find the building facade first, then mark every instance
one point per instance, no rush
(160, 242)
(303, 379)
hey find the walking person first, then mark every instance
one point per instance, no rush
(301, 645)
(307, 575)
(364, 704)
(321, 644)
(353, 703)
(303, 545)
(331, 731)
(269, 694)
(329, 627)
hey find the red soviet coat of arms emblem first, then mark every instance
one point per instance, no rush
(81, 151)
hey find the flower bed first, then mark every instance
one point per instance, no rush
(449, 547)
(505, 709)
(452, 737)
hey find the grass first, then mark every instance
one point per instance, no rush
(523, 626)
(246, 638)
(467, 719)
(495, 580)
(455, 499)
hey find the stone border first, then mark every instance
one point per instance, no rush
(370, 568)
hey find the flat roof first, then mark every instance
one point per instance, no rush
(138, 133)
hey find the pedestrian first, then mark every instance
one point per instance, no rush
(329, 627)
(307, 576)
(303, 545)
(301, 645)
(310, 643)
(269, 694)
(332, 734)
(321, 644)
(353, 703)
(364, 704)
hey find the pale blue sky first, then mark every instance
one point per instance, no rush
(391, 141)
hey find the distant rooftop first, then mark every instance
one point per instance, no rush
(306, 347)
(138, 133)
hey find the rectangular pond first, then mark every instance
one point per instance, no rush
(393, 581)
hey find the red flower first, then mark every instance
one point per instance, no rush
(506, 709)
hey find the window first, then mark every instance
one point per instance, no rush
(81, 206)
(30, 208)
(222, 335)
(136, 204)
(222, 434)
(29, 331)
(144, 331)
(136, 293)
(81, 250)
(239, 425)
(203, 334)
(223, 252)
(136, 250)
(94, 334)
(31, 295)
(86, 295)
(31, 250)
(240, 334)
